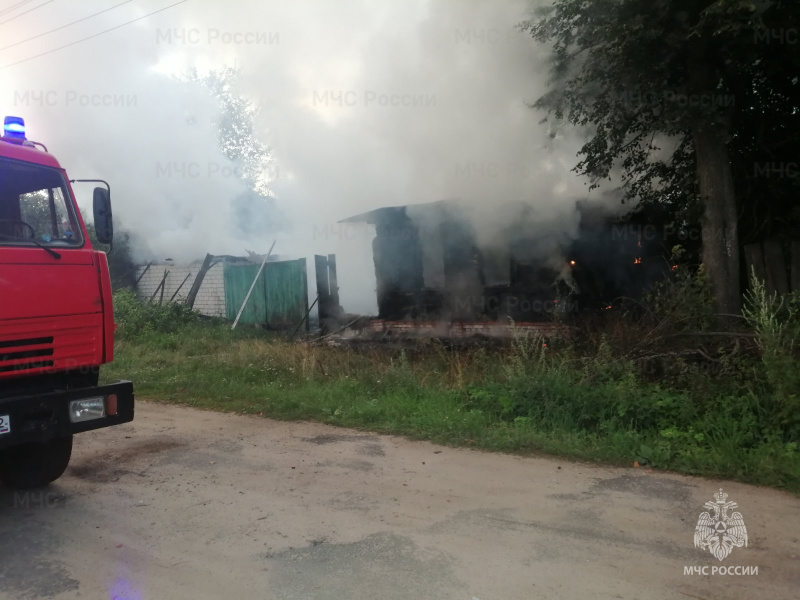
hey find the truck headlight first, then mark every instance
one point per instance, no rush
(87, 409)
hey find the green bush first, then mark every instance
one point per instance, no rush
(135, 317)
(683, 299)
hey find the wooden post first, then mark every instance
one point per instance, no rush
(333, 281)
(323, 286)
(198, 281)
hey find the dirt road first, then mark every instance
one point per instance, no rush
(190, 504)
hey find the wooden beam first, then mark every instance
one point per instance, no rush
(160, 287)
(198, 281)
(142, 274)
(185, 279)
(303, 320)
(163, 287)
(252, 285)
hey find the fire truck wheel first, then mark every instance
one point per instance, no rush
(35, 465)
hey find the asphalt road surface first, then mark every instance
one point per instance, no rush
(191, 504)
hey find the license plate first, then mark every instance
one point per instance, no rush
(5, 424)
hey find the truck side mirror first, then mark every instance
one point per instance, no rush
(103, 225)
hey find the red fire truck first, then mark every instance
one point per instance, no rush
(56, 315)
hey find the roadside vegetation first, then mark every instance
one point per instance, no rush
(650, 382)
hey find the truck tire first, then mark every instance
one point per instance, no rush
(35, 465)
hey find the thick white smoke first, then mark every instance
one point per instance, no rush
(365, 104)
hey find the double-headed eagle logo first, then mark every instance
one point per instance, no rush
(720, 533)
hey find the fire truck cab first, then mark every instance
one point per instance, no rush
(56, 316)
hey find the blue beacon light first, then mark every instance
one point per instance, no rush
(14, 128)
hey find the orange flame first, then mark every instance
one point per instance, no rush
(637, 261)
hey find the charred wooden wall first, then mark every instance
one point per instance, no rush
(609, 259)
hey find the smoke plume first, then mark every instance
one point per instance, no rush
(363, 104)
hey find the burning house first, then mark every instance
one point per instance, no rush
(431, 265)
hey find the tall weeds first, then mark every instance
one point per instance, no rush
(776, 323)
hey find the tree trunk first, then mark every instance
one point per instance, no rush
(720, 233)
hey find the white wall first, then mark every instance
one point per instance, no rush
(211, 298)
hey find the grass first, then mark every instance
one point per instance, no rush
(528, 397)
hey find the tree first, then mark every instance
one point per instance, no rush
(255, 209)
(633, 72)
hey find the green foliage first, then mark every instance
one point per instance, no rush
(776, 322)
(135, 318)
(622, 71)
(619, 68)
(683, 299)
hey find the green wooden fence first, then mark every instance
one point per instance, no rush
(279, 299)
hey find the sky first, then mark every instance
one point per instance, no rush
(363, 103)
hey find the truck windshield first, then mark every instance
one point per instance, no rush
(35, 207)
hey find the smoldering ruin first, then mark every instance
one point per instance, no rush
(430, 264)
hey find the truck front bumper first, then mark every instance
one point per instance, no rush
(43, 417)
